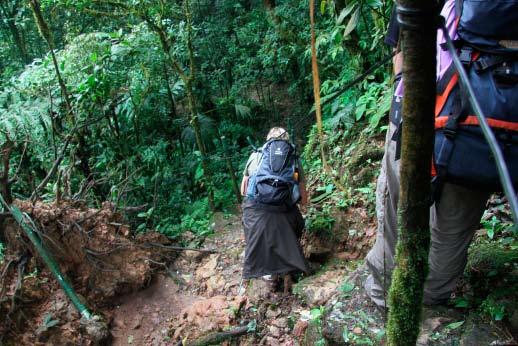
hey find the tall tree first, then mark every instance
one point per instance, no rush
(406, 292)
(8, 12)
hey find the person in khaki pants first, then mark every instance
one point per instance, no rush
(453, 219)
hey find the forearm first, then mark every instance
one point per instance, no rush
(397, 62)
(244, 185)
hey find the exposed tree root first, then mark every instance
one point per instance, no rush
(217, 338)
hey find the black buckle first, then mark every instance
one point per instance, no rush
(480, 65)
(449, 133)
(450, 130)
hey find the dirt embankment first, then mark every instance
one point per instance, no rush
(96, 253)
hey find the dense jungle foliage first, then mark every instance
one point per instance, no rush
(154, 106)
(150, 103)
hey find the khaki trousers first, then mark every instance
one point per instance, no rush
(453, 222)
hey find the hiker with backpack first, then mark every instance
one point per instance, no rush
(273, 185)
(464, 172)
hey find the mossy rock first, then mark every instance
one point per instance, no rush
(491, 266)
(490, 258)
(313, 335)
(479, 331)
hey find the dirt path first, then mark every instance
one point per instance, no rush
(146, 317)
(143, 318)
(205, 293)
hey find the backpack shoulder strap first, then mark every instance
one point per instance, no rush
(458, 9)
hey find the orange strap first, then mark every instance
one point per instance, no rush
(441, 99)
(434, 170)
(441, 121)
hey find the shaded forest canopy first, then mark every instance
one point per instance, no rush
(158, 98)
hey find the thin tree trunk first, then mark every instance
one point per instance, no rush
(5, 189)
(47, 36)
(195, 123)
(19, 41)
(231, 170)
(188, 80)
(406, 292)
(82, 150)
(193, 109)
(170, 94)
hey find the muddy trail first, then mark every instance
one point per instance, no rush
(202, 294)
(150, 294)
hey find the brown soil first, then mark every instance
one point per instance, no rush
(143, 318)
(96, 254)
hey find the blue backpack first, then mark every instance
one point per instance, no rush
(275, 182)
(488, 48)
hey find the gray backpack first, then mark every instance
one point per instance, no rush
(274, 181)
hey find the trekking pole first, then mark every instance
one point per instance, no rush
(503, 172)
(230, 168)
(47, 258)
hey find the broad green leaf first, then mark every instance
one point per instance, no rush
(461, 303)
(347, 287)
(345, 335)
(199, 173)
(455, 325)
(345, 12)
(351, 25)
(242, 111)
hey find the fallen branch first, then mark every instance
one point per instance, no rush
(217, 338)
(30, 230)
(134, 209)
(178, 248)
(4, 273)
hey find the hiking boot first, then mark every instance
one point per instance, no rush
(288, 284)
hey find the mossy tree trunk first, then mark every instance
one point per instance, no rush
(406, 291)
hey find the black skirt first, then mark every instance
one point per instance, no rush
(272, 240)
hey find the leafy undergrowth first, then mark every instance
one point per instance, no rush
(341, 214)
